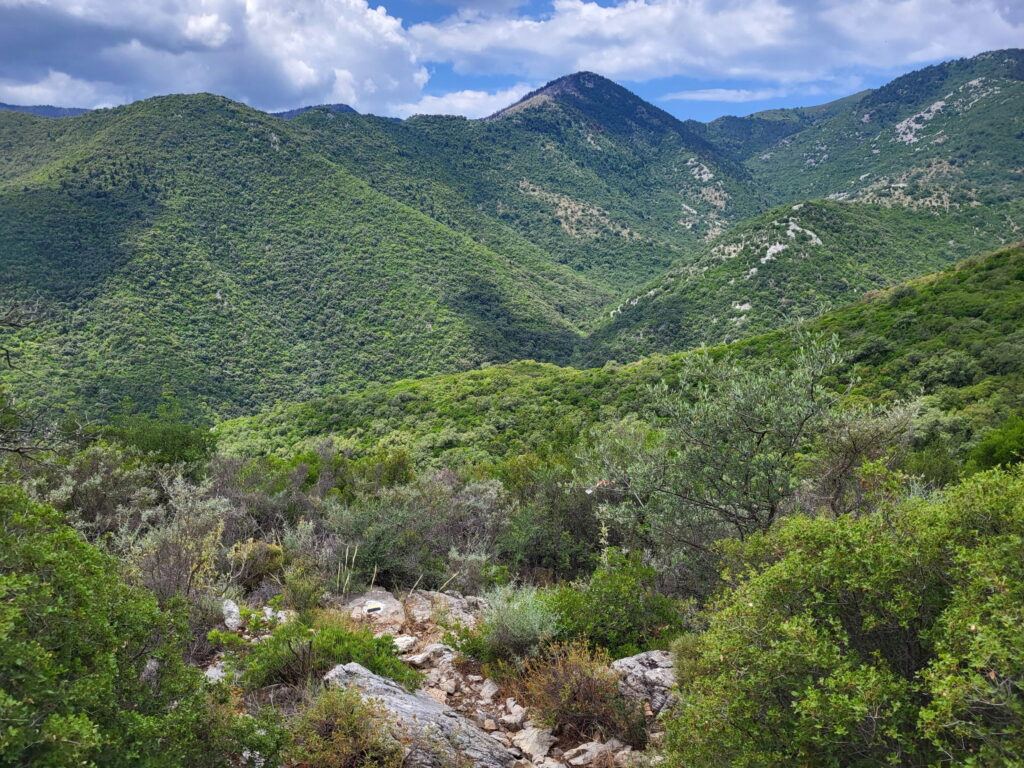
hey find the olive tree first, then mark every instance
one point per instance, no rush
(730, 448)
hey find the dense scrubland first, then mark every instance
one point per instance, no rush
(821, 520)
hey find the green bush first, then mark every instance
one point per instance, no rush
(1000, 447)
(91, 669)
(572, 690)
(166, 437)
(297, 653)
(340, 730)
(515, 625)
(618, 608)
(253, 561)
(896, 638)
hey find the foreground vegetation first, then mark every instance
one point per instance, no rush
(814, 522)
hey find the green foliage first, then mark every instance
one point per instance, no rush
(91, 668)
(572, 690)
(165, 437)
(516, 624)
(297, 653)
(1001, 447)
(790, 263)
(340, 730)
(522, 408)
(890, 638)
(618, 608)
(190, 239)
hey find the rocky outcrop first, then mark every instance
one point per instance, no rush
(647, 677)
(436, 734)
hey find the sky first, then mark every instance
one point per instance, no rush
(694, 58)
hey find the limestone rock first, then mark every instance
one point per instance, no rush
(424, 606)
(232, 615)
(434, 655)
(647, 677)
(534, 741)
(438, 735)
(586, 754)
(405, 643)
(379, 608)
(489, 690)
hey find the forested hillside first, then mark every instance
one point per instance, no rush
(193, 246)
(575, 437)
(956, 337)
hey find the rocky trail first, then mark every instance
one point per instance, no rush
(459, 717)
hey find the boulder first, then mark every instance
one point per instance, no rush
(647, 677)
(424, 606)
(405, 643)
(436, 734)
(232, 615)
(534, 741)
(379, 608)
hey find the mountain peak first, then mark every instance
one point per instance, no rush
(290, 113)
(568, 88)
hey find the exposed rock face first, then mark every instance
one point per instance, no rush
(647, 677)
(439, 735)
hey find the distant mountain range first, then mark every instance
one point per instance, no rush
(195, 244)
(43, 110)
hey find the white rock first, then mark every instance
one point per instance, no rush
(405, 643)
(434, 655)
(216, 672)
(490, 725)
(647, 677)
(535, 742)
(379, 608)
(489, 690)
(232, 615)
(439, 735)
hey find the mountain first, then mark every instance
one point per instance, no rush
(742, 137)
(791, 262)
(340, 108)
(609, 185)
(43, 110)
(956, 336)
(949, 135)
(193, 244)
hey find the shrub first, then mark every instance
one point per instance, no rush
(340, 730)
(296, 653)
(91, 668)
(1000, 447)
(514, 626)
(303, 587)
(253, 561)
(618, 608)
(165, 437)
(575, 692)
(894, 638)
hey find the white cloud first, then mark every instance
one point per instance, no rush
(271, 53)
(469, 103)
(776, 41)
(636, 39)
(732, 95)
(56, 88)
(277, 54)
